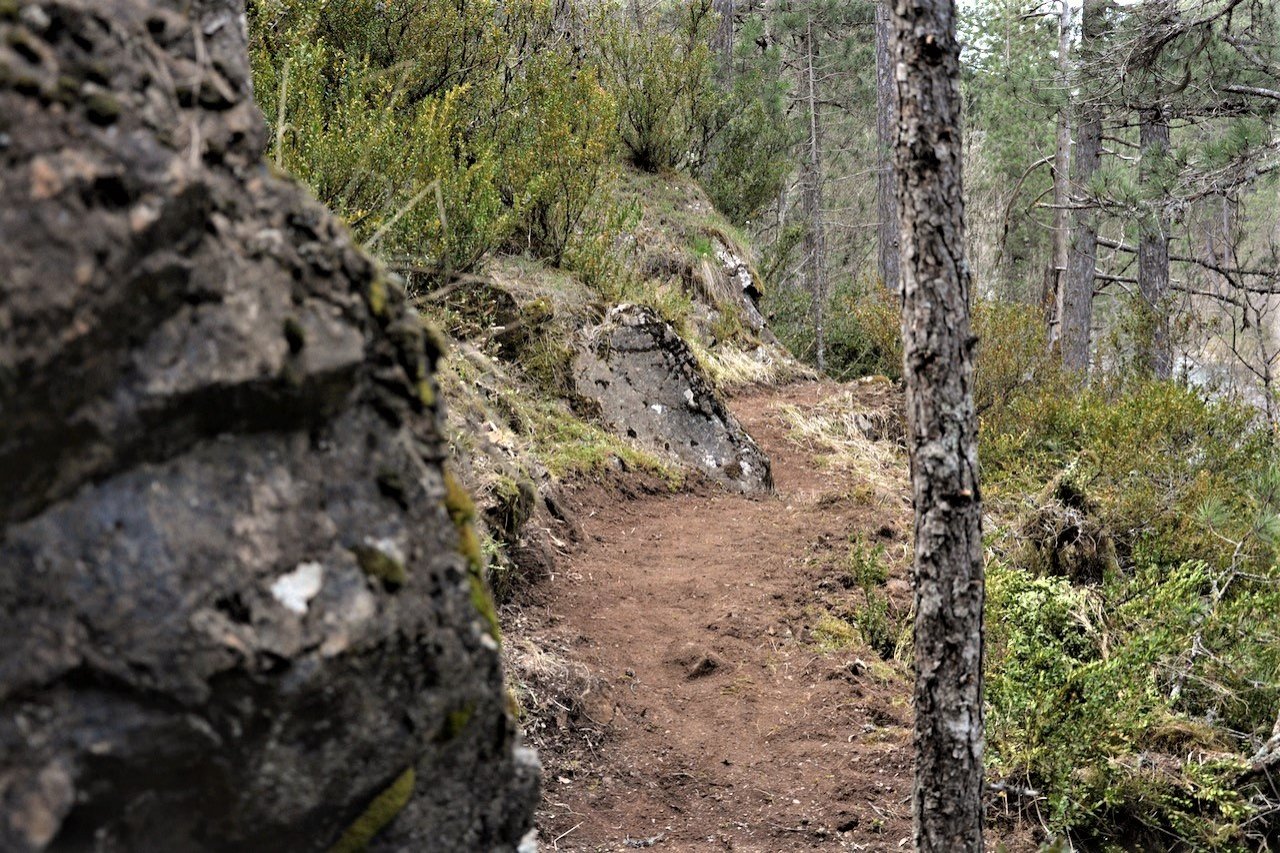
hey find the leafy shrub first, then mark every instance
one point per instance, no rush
(439, 131)
(662, 74)
(1083, 705)
(1012, 355)
(1131, 703)
(862, 328)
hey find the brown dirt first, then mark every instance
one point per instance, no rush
(706, 712)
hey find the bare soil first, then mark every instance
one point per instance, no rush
(701, 706)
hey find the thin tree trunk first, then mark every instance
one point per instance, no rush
(815, 238)
(1061, 184)
(1156, 355)
(942, 436)
(722, 39)
(886, 130)
(1077, 292)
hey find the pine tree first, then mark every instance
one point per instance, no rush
(942, 435)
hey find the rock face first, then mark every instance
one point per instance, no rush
(650, 387)
(237, 609)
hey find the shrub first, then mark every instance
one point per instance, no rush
(862, 326)
(1131, 703)
(439, 131)
(662, 74)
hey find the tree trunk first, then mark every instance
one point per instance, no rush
(886, 129)
(1052, 298)
(815, 237)
(722, 39)
(1077, 291)
(942, 432)
(1155, 354)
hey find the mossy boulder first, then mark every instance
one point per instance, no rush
(235, 611)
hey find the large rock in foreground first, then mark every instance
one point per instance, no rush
(649, 386)
(237, 609)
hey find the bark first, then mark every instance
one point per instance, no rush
(1155, 354)
(1061, 185)
(886, 128)
(1077, 291)
(942, 438)
(815, 237)
(722, 39)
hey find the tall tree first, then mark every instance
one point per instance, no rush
(1155, 356)
(815, 237)
(938, 365)
(886, 128)
(1075, 312)
(1057, 269)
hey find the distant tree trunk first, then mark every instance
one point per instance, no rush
(886, 129)
(1052, 297)
(722, 40)
(942, 432)
(1156, 355)
(1077, 291)
(815, 236)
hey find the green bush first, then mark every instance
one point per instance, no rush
(1130, 703)
(662, 74)
(439, 131)
(863, 331)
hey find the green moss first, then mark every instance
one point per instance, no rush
(455, 723)
(515, 501)
(9, 9)
(67, 90)
(833, 634)
(380, 812)
(427, 392)
(483, 603)
(461, 508)
(378, 296)
(463, 513)
(569, 446)
(102, 108)
(378, 564)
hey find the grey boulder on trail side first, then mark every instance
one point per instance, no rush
(237, 611)
(650, 387)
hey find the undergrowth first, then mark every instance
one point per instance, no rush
(1123, 703)
(1130, 704)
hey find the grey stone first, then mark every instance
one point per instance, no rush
(650, 387)
(210, 403)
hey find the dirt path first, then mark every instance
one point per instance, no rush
(717, 709)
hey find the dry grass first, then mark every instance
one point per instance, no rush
(731, 368)
(556, 698)
(855, 431)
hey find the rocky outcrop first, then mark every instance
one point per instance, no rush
(240, 606)
(648, 385)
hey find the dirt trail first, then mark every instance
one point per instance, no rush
(715, 720)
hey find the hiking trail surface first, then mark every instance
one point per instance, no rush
(698, 678)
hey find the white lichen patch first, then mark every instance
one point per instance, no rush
(387, 547)
(296, 589)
